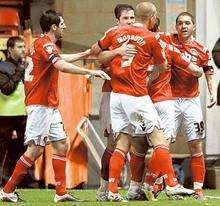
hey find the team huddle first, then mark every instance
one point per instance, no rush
(150, 93)
(153, 93)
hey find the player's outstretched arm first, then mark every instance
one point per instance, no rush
(195, 70)
(95, 49)
(66, 67)
(75, 57)
(211, 84)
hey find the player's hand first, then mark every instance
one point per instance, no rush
(212, 101)
(126, 50)
(153, 76)
(101, 74)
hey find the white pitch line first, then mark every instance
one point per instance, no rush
(213, 197)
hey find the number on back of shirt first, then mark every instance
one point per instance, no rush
(128, 61)
(28, 76)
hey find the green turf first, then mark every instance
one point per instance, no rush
(41, 197)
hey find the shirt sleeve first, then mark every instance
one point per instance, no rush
(158, 50)
(50, 53)
(106, 41)
(207, 65)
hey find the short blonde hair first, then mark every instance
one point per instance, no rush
(145, 10)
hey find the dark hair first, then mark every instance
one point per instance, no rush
(48, 18)
(121, 7)
(12, 40)
(186, 14)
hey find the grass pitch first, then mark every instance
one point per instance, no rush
(43, 197)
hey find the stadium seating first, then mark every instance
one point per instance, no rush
(11, 2)
(9, 21)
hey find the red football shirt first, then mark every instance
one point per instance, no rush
(183, 83)
(106, 87)
(129, 76)
(41, 77)
(160, 89)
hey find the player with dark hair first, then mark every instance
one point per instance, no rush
(120, 8)
(132, 112)
(185, 92)
(12, 109)
(12, 70)
(124, 14)
(44, 123)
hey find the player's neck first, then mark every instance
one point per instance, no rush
(138, 23)
(143, 23)
(185, 40)
(51, 36)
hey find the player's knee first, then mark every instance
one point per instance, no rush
(61, 148)
(123, 142)
(33, 151)
(157, 137)
(160, 141)
(195, 147)
(167, 142)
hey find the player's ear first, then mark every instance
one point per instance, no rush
(54, 27)
(194, 27)
(117, 21)
(10, 51)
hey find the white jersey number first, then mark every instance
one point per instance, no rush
(128, 61)
(28, 76)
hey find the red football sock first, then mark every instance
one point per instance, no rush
(117, 162)
(105, 164)
(164, 160)
(137, 164)
(198, 171)
(21, 168)
(153, 170)
(59, 167)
